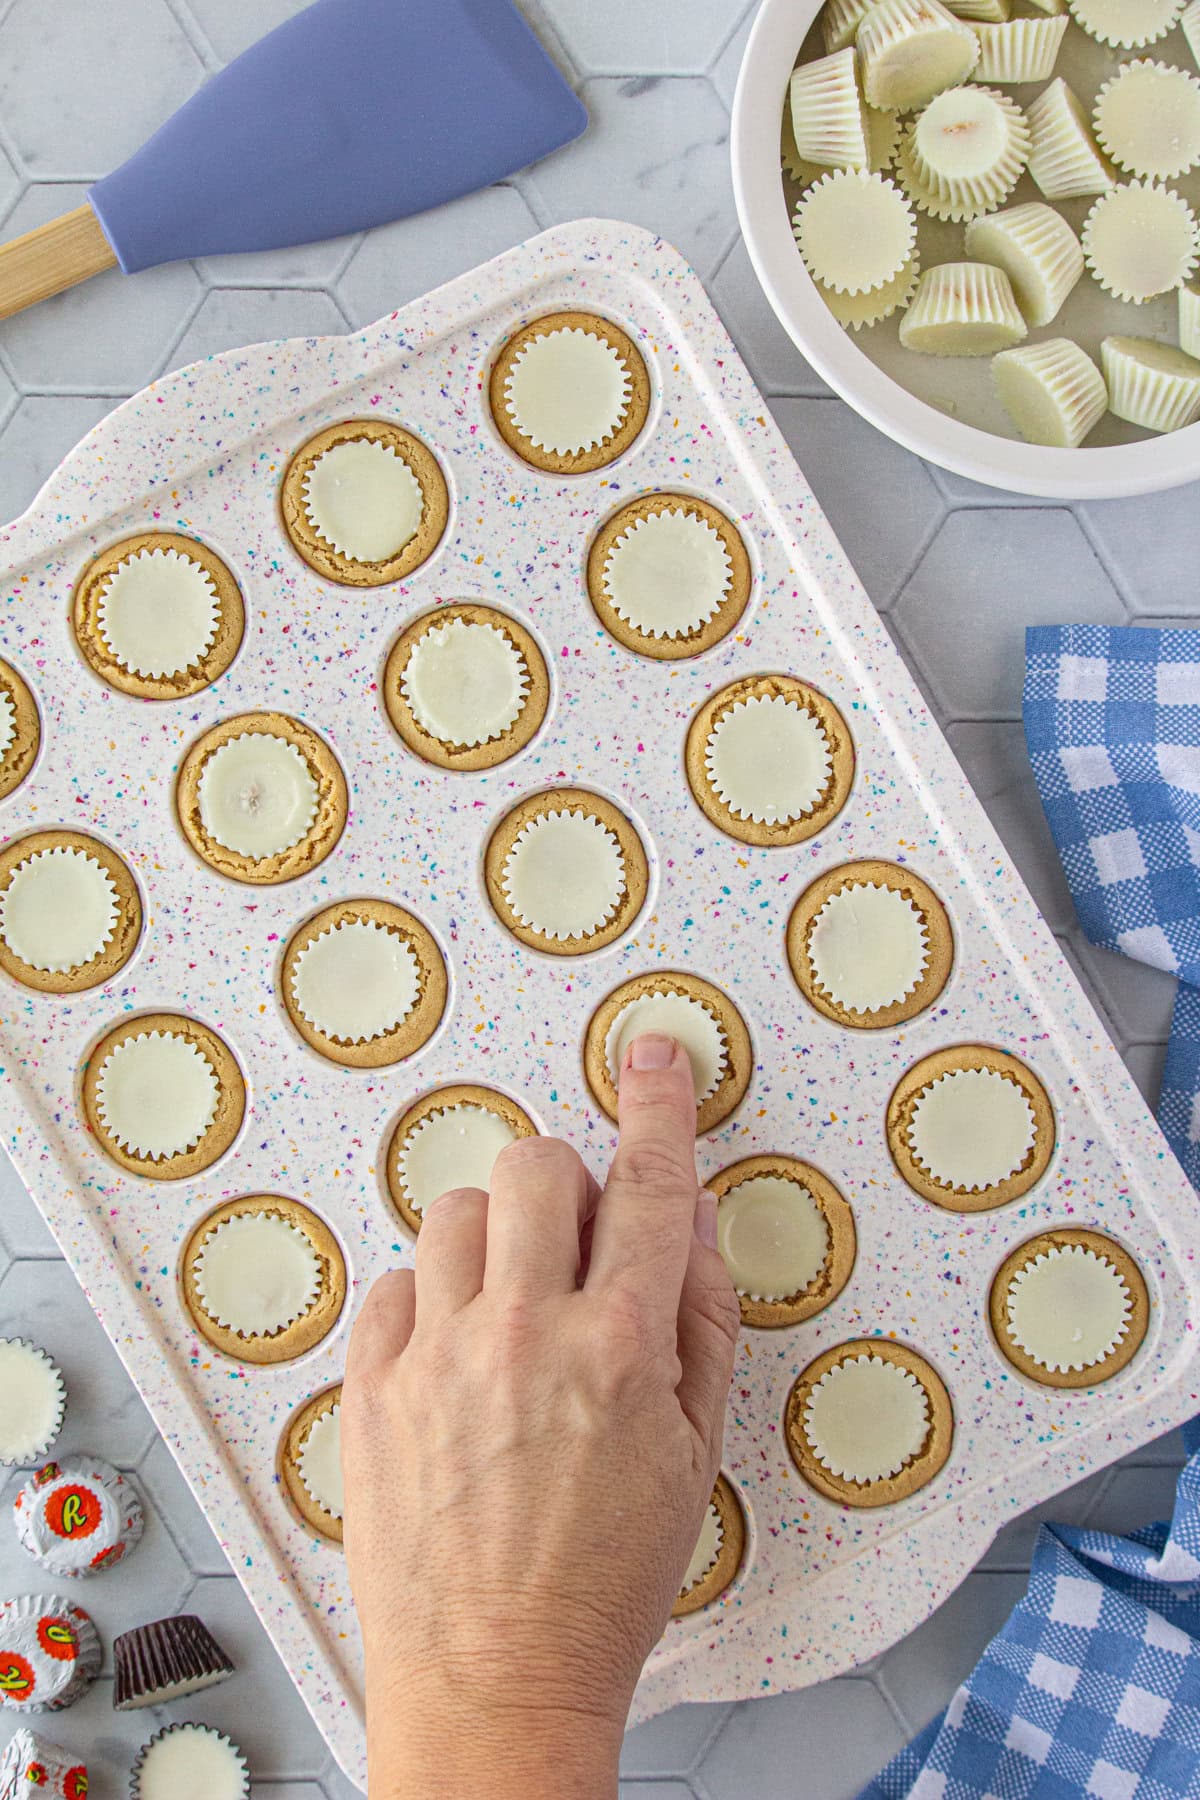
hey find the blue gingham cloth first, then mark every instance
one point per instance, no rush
(1112, 721)
(1092, 1689)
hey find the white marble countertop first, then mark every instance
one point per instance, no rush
(958, 572)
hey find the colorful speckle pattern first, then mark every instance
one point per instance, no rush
(203, 452)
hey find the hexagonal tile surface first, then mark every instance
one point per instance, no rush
(655, 154)
(400, 261)
(232, 317)
(673, 1742)
(231, 26)
(111, 332)
(922, 1672)
(759, 1752)
(1153, 544)
(663, 39)
(10, 185)
(883, 539)
(770, 354)
(280, 1740)
(125, 68)
(985, 577)
(104, 1412)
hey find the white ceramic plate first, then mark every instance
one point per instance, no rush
(982, 455)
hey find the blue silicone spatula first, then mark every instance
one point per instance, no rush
(352, 113)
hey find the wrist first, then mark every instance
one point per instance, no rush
(521, 1752)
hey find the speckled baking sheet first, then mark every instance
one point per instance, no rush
(203, 452)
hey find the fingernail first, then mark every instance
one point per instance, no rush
(705, 1223)
(652, 1050)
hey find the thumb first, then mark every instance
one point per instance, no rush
(709, 1317)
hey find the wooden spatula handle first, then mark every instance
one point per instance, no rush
(53, 257)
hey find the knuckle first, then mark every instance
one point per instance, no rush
(530, 1154)
(454, 1201)
(653, 1167)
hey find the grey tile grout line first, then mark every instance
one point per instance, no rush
(880, 1683)
(195, 34)
(749, 7)
(1114, 573)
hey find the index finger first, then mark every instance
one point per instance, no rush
(643, 1226)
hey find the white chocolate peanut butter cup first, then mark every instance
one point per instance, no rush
(158, 615)
(569, 393)
(870, 944)
(20, 729)
(59, 910)
(718, 1555)
(364, 983)
(356, 981)
(163, 1095)
(866, 1419)
(1151, 384)
(963, 309)
(364, 502)
(450, 1138)
(1038, 251)
(563, 876)
(769, 760)
(257, 795)
(320, 1462)
(1140, 240)
(70, 912)
(869, 1423)
(466, 683)
(970, 1128)
(840, 20)
(857, 310)
(1053, 392)
(185, 1760)
(261, 798)
(787, 1237)
(668, 575)
(566, 871)
(263, 1278)
(1064, 158)
(990, 12)
(1019, 50)
(687, 1020)
(1069, 1308)
(693, 1011)
(156, 1095)
(1126, 24)
(708, 1548)
(1147, 119)
(967, 148)
(35, 1400)
(466, 687)
(257, 1274)
(310, 1463)
(911, 50)
(1189, 320)
(828, 126)
(855, 230)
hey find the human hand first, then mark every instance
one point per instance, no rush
(531, 1427)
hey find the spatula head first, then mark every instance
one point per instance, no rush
(352, 113)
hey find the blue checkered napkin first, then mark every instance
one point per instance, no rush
(1093, 1686)
(1112, 720)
